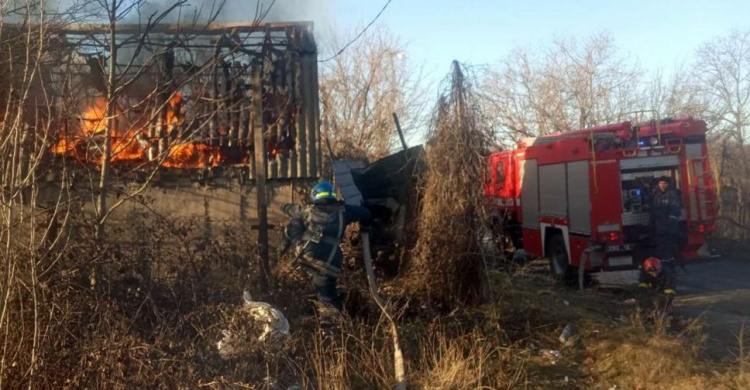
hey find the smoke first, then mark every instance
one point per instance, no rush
(199, 11)
(238, 11)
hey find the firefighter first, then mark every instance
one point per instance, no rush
(315, 231)
(666, 206)
(656, 284)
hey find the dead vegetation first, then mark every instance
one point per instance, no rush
(154, 320)
(448, 267)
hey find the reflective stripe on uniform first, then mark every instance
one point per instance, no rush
(644, 285)
(669, 291)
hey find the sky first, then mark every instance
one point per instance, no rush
(660, 33)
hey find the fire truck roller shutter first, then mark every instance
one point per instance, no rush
(553, 202)
(649, 162)
(553, 194)
(530, 194)
(579, 203)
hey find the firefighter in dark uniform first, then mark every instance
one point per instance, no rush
(656, 285)
(315, 233)
(666, 206)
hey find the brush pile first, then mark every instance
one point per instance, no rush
(448, 265)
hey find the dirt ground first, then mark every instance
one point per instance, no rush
(716, 290)
(719, 292)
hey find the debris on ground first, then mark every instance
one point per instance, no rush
(567, 334)
(255, 323)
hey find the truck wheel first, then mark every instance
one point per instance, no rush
(558, 259)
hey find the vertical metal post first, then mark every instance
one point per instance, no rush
(316, 147)
(305, 111)
(243, 121)
(458, 93)
(260, 174)
(226, 104)
(295, 126)
(400, 132)
(167, 72)
(312, 116)
(213, 125)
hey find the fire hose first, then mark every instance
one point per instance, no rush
(398, 357)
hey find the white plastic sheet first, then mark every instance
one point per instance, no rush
(272, 328)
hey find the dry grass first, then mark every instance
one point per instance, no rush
(634, 358)
(470, 361)
(156, 327)
(738, 376)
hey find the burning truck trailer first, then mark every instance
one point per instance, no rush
(581, 198)
(207, 100)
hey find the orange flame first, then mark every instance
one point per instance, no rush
(132, 146)
(127, 149)
(63, 147)
(93, 119)
(173, 109)
(191, 155)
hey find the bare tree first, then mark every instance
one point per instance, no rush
(722, 71)
(567, 85)
(38, 203)
(29, 232)
(360, 89)
(674, 95)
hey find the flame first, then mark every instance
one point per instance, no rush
(173, 109)
(191, 155)
(127, 149)
(132, 146)
(94, 117)
(63, 147)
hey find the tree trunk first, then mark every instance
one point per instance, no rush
(101, 208)
(101, 204)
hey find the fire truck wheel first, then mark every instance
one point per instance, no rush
(558, 259)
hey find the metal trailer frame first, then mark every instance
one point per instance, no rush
(226, 56)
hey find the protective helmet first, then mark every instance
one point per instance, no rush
(323, 192)
(652, 265)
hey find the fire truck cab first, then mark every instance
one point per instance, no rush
(583, 197)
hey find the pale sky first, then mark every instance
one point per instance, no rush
(660, 33)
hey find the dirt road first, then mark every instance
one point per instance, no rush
(719, 291)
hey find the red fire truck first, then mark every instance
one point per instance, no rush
(583, 197)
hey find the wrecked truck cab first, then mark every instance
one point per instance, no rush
(387, 187)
